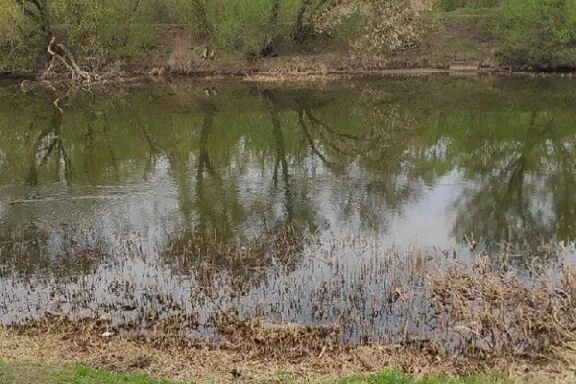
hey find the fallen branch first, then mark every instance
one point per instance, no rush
(67, 59)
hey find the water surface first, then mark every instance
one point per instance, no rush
(259, 198)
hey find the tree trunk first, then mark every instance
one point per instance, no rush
(298, 30)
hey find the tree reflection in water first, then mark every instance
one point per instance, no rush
(240, 184)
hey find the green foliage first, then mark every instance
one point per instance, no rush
(99, 31)
(244, 25)
(85, 375)
(17, 41)
(237, 26)
(105, 29)
(539, 32)
(27, 373)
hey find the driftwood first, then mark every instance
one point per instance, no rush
(62, 54)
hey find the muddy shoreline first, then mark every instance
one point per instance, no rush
(254, 74)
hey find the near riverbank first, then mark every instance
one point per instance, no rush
(485, 321)
(54, 359)
(25, 373)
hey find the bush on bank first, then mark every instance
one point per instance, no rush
(540, 33)
(100, 31)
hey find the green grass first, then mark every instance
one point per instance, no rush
(31, 373)
(392, 377)
(85, 375)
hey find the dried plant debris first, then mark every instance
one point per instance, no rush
(478, 316)
(283, 300)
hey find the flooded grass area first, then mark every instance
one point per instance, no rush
(424, 224)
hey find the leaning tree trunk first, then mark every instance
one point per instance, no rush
(307, 15)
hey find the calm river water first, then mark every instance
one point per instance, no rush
(258, 198)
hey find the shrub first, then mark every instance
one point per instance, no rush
(104, 29)
(385, 26)
(18, 42)
(539, 32)
(237, 26)
(246, 25)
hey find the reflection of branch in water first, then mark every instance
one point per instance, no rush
(333, 139)
(205, 203)
(502, 207)
(563, 189)
(280, 150)
(280, 156)
(204, 155)
(33, 175)
(342, 136)
(310, 140)
(110, 147)
(42, 153)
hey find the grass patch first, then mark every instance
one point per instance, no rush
(393, 377)
(30, 373)
(85, 375)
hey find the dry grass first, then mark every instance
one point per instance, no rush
(207, 363)
(413, 311)
(484, 319)
(201, 363)
(495, 312)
